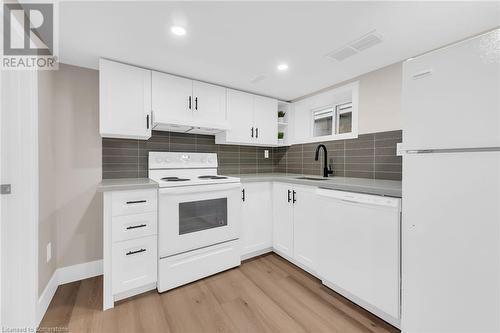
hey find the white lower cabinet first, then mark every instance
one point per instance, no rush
(257, 226)
(130, 249)
(134, 263)
(295, 213)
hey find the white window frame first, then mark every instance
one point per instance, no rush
(353, 88)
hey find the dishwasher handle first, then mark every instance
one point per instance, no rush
(359, 198)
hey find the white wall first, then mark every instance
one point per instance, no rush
(379, 99)
(70, 169)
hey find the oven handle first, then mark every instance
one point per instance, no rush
(199, 189)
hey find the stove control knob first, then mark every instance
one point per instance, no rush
(210, 160)
(158, 160)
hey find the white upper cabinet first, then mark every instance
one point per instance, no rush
(209, 103)
(171, 98)
(240, 116)
(124, 101)
(184, 103)
(253, 120)
(266, 120)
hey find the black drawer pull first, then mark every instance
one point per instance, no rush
(289, 192)
(136, 226)
(135, 202)
(294, 200)
(134, 252)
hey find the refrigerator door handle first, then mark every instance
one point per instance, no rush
(451, 150)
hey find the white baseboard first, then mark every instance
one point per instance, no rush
(46, 297)
(65, 275)
(256, 253)
(79, 272)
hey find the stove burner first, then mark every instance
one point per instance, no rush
(175, 179)
(212, 177)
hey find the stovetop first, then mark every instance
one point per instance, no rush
(185, 169)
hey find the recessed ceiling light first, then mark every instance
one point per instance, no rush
(282, 67)
(179, 31)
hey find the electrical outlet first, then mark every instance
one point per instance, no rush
(266, 153)
(49, 251)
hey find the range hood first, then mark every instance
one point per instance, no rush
(194, 127)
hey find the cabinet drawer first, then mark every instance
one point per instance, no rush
(134, 263)
(133, 226)
(134, 202)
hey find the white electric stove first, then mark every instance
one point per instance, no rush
(198, 217)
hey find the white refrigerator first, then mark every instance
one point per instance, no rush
(451, 188)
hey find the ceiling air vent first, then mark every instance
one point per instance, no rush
(342, 54)
(258, 79)
(367, 41)
(358, 45)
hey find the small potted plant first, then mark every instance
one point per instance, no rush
(281, 116)
(281, 135)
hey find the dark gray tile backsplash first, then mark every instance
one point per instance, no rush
(369, 156)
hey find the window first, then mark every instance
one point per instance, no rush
(327, 122)
(323, 120)
(343, 118)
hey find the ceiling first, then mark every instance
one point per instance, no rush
(232, 43)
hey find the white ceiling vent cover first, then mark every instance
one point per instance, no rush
(367, 41)
(358, 45)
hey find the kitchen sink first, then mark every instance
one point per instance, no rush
(311, 178)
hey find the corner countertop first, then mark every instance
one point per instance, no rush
(126, 184)
(390, 188)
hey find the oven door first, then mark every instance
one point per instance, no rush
(194, 217)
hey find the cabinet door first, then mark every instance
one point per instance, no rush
(301, 123)
(209, 103)
(257, 229)
(240, 117)
(305, 218)
(124, 101)
(172, 98)
(283, 218)
(266, 120)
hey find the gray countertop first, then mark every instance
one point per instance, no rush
(126, 184)
(361, 185)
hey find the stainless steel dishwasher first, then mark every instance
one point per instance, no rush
(359, 257)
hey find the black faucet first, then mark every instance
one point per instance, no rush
(326, 170)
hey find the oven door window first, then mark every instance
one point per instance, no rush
(202, 215)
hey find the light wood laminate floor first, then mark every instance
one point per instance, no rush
(265, 294)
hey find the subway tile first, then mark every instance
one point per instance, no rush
(360, 159)
(389, 167)
(119, 152)
(359, 174)
(119, 174)
(119, 143)
(359, 152)
(387, 143)
(359, 144)
(386, 151)
(388, 159)
(182, 138)
(338, 173)
(120, 166)
(247, 169)
(119, 159)
(389, 135)
(388, 175)
(359, 167)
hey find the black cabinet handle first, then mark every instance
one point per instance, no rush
(294, 199)
(189, 103)
(136, 226)
(256, 132)
(135, 252)
(196, 103)
(243, 194)
(289, 195)
(147, 121)
(252, 132)
(135, 202)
